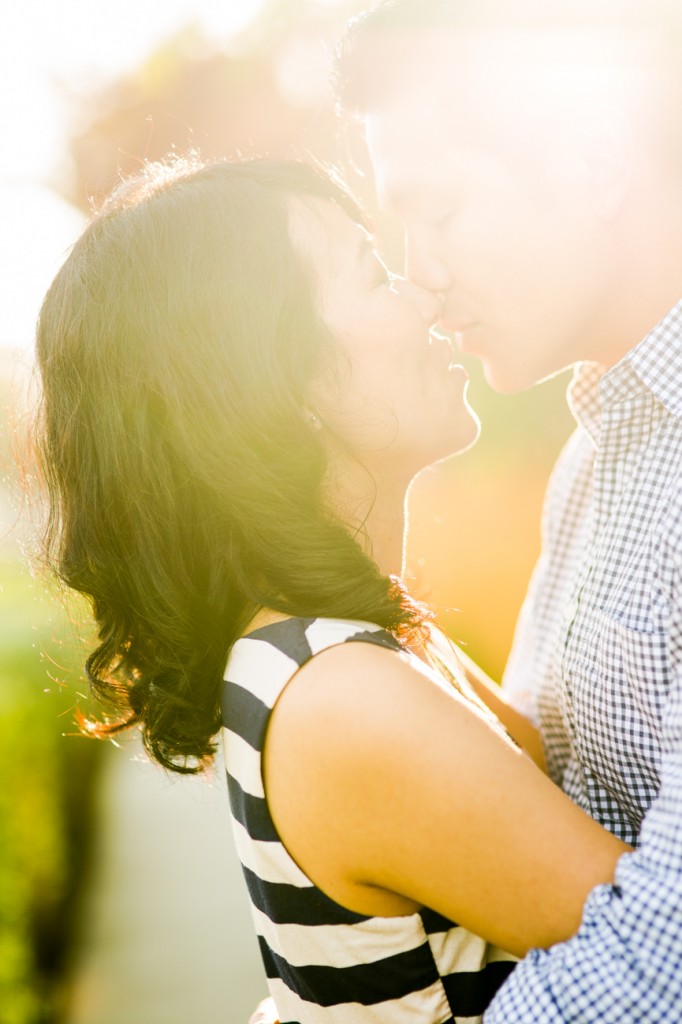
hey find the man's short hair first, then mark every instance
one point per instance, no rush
(354, 72)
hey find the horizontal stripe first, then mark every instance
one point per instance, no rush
(324, 633)
(243, 763)
(301, 930)
(259, 667)
(290, 904)
(338, 944)
(458, 950)
(435, 923)
(470, 993)
(425, 1007)
(270, 861)
(289, 636)
(244, 714)
(461, 950)
(251, 812)
(366, 984)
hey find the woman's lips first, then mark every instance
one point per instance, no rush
(444, 346)
(441, 342)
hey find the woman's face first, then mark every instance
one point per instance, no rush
(394, 395)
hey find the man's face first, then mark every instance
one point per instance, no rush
(498, 218)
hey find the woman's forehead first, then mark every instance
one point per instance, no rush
(326, 235)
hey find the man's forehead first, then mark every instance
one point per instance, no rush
(425, 52)
(478, 87)
(401, 158)
(418, 108)
(417, 132)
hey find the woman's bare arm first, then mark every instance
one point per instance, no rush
(392, 793)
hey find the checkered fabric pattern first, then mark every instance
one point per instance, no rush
(597, 660)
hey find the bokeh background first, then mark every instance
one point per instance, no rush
(120, 900)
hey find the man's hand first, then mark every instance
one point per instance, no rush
(265, 1013)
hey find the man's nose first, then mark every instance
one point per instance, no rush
(424, 263)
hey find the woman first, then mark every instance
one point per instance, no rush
(236, 397)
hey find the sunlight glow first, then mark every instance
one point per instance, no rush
(49, 52)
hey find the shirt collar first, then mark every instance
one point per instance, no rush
(656, 363)
(583, 397)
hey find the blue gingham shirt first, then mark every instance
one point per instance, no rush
(597, 660)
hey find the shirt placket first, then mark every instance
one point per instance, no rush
(618, 450)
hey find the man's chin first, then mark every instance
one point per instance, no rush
(512, 380)
(507, 380)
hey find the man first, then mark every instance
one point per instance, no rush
(534, 154)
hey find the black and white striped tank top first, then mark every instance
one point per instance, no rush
(324, 963)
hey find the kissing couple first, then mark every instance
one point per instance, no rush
(236, 396)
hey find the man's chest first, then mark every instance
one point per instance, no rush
(610, 666)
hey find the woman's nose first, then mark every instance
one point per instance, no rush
(430, 303)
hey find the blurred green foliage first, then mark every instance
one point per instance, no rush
(44, 797)
(45, 780)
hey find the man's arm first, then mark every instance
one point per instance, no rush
(624, 965)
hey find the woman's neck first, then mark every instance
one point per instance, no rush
(378, 517)
(375, 506)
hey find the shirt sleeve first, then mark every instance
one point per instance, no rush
(624, 966)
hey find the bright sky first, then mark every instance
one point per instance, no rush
(78, 43)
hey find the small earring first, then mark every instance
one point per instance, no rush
(316, 422)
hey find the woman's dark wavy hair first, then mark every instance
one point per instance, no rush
(176, 347)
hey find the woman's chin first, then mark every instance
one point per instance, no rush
(461, 440)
